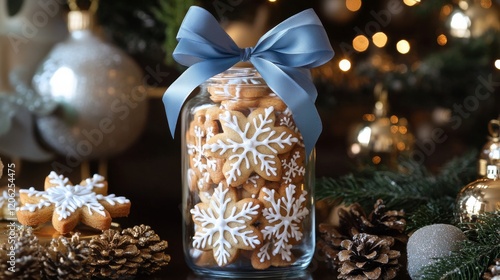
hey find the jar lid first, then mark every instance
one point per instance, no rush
(492, 171)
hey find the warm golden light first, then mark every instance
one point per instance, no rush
(360, 43)
(497, 64)
(394, 119)
(463, 5)
(376, 159)
(486, 4)
(403, 46)
(345, 65)
(272, 1)
(353, 5)
(411, 2)
(379, 39)
(442, 40)
(446, 10)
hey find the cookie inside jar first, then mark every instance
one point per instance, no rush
(249, 201)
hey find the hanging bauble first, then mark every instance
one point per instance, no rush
(472, 18)
(102, 102)
(380, 139)
(479, 197)
(28, 31)
(490, 152)
(430, 242)
(484, 15)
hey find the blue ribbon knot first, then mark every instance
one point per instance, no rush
(245, 54)
(282, 56)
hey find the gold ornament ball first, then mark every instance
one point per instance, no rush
(479, 197)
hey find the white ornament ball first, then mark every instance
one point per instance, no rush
(101, 97)
(431, 242)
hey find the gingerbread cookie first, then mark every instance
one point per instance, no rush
(280, 224)
(68, 204)
(224, 225)
(250, 144)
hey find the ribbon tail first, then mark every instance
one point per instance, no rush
(295, 96)
(175, 96)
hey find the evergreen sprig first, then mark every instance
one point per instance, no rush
(474, 255)
(426, 198)
(171, 13)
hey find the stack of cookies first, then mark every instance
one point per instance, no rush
(246, 171)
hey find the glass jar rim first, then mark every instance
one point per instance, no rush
(247, 76)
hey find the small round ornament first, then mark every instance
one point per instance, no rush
(428, 243)
(490, 152)
(102, 103)
(480, 196)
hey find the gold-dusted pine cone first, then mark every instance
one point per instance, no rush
(66, 258)
(493, 272)
(378, 222)
(368, 257)
(151, 246)
(113, 255)
(24, 261)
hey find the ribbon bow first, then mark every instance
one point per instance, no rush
(282, 56)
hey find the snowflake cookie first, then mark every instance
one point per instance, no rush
(224, 225)
(281, 225)
(67, 204)
(250, 144)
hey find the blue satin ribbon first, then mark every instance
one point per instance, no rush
(283, 57)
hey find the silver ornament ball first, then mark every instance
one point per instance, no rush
(431, 242)
(102, 103)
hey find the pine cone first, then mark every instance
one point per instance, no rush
(493, 272)
(25, 256)
(329, 244)
(66, 258)
(113, 255)
(368, 257)
(390, 222)
(151, 246)
(379, 222)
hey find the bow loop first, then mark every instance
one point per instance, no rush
(282, 56)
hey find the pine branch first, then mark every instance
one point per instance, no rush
(475, 254)
(171, 13)
(416, 191)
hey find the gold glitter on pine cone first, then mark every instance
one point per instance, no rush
(66, 258)
(368, 257)
(22, 262)
(151, 246)
(113, 255)
(379, 221)
(493, 271)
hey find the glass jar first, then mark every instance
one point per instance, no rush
(248, 189)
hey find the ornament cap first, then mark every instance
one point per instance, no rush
(79, 20)
(492, 172)
(494, 129)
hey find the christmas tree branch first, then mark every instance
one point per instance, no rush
(426, 198)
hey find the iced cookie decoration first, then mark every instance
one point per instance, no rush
(9, 199)
(250, 144)
(281, 225)
(224, 225)
(67, 204)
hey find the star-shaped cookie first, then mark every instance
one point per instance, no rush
(67, 204)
